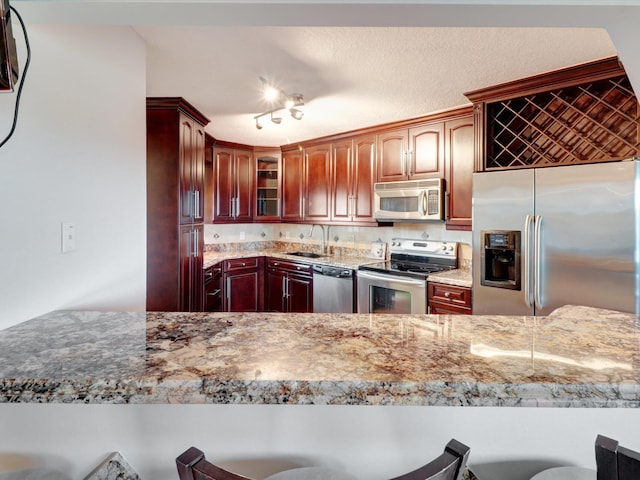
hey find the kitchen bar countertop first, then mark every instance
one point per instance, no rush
(576, 357)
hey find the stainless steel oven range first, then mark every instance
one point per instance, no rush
(400, 284)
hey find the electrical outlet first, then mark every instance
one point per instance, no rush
(68, 237)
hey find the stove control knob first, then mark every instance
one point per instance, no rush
(451, 248)
(444, 247)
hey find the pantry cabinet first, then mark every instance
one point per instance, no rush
(175, 205)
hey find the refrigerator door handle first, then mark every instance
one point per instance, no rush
(527, 260)
(538, 261)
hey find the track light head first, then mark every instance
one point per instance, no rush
(258, 124)
(276, 120)
(295, 113)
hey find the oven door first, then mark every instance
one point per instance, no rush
(384, 293)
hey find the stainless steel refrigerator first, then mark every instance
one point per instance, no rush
(548, 237)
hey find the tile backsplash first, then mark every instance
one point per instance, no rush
(340, 238)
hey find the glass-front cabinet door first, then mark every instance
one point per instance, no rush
(267, 186)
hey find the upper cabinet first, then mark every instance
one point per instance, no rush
(317, 191)
(292, 185)
(583, 114)
(411, 153)
(267, 185)
(353, 175)
(459, 167)
(191, 159)
(233, 175)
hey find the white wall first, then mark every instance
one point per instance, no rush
(78, 155)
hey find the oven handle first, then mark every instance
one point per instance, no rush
(395, 278)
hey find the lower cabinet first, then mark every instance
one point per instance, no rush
(213, 288)
(289, 286)
(243, 284)
(448, 299)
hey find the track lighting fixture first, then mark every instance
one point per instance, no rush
(281, 101)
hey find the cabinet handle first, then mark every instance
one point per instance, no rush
(237, 206)
(410, 163)
(446, 205)
(231, 207)
(215, 293)
(447, 294)
(194, 250)
(196, 201)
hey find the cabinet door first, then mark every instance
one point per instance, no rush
(342, 181)
(392, 150)
(242, 291)
(191, 276)
(364, 176)
(292, 185)
(459, 166)
(223, 167)
(186, 193)
(244, 173)
(426, 147)
(275, 288)
(197, 171)
(317, 205)
(299, 294)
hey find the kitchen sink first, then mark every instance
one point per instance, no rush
(306, 254)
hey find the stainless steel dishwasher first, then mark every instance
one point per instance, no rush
(332, 289)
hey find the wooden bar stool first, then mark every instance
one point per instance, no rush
(450, 465)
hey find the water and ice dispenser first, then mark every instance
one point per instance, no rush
(500, 265)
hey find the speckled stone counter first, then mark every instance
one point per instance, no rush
(577, 357)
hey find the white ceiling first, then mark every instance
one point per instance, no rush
(350, 77)
(357, 62)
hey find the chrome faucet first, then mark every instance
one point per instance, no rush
(323, 248)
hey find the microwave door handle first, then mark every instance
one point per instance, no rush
(423, 202)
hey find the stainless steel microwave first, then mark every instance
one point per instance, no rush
(410, 201)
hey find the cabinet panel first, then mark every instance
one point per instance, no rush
(292, 185)
(317, 205)
(213, 289)
(342, 175)
(299, 294)
(275, 288)
(224, 184)
(426, 156)
(392, 162)
(245, 169)
(364, 176)
(459, 161)
(191, 275)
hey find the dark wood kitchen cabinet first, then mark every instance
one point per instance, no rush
(267, 185)
(459, 168)
(352, 177)
(213, 288)
(317, 191)
(175, 200)
(292, 185)
(234, 171)
(448, 299)
(243, 281)
(411, 153)
(289, 286)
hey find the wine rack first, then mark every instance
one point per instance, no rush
(557, 122)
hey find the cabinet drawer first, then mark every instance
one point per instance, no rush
(449, 294)
(241, 263)
(288, 266)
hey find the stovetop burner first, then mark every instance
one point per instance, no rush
(417, 258)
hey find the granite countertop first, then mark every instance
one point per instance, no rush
(460, 277)
(211, 258)
(576, 357)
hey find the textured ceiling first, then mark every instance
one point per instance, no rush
(350, 77)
